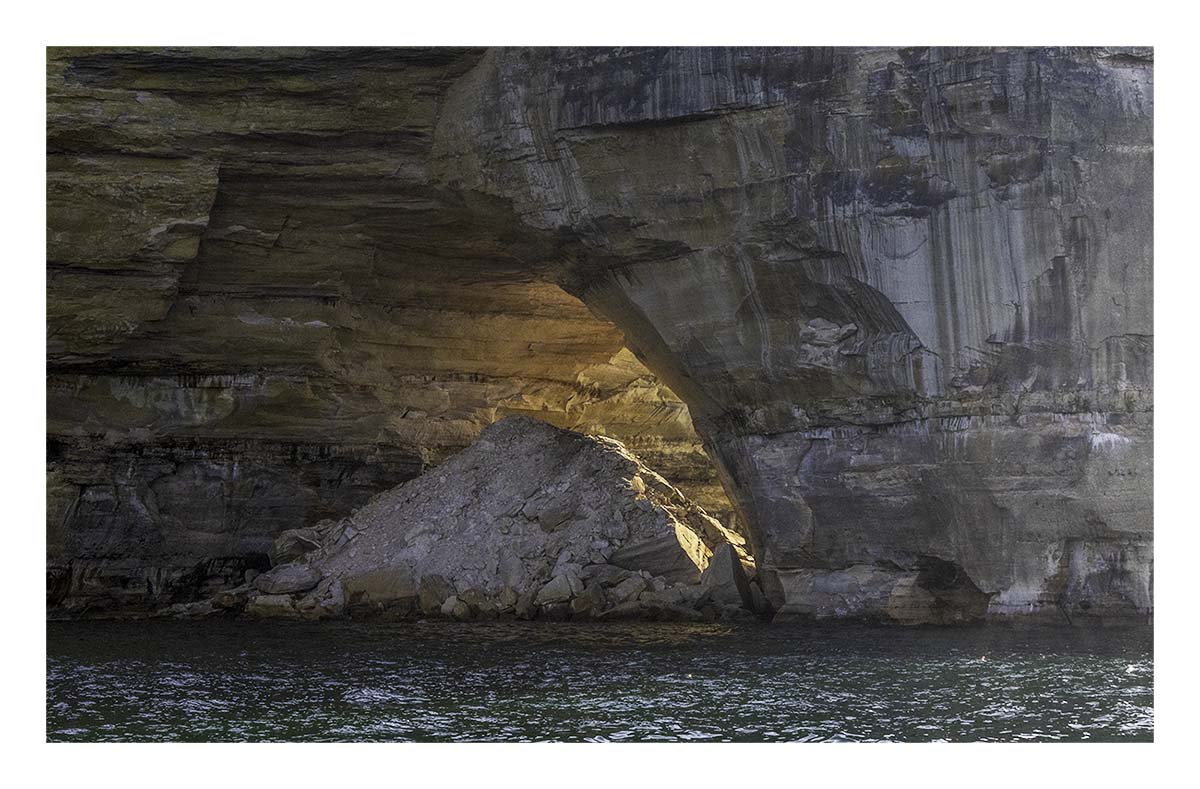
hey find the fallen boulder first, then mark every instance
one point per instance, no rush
(288, 579)
(677, 557)
(271, 606)
(432, 591)
(392, 585)
(558, 590)
(725, 581)
(293, 544)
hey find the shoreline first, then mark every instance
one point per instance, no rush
(1009, 623)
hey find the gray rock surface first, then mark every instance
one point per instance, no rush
(272, 606)
(287, 579)
(662, 556)
(472, 540)
(725, 581)
(904, 293)
(294, 543)
(878, 593)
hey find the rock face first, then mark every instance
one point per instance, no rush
(905, 295)
(725, 581)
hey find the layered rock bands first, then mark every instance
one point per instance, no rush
(886, 313)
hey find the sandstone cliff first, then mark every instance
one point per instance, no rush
(897, 302)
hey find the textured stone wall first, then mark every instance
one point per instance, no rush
(263, 309)
(904, 293)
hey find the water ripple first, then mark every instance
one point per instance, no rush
(223, 681)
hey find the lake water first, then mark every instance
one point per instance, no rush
(248, 681)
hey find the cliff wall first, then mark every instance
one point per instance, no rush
(898, 302)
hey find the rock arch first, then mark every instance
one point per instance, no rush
(905, 293)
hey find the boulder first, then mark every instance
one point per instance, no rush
(673, 595)
(556, 612)
(759, 603)
(232, 599)
(271, 606)
(456, 609)
(293, 544)
(676, 556)
(606, 574)
(590, 603)
(725, 581)
(392, 585)
(482, 606)
(506, 601)
(555, 515)
(432, 591)
(675, 613)
(629, 610)
(526, 607)
(558, 590)
(327, 600)
(655, 606)
(287, 579)
(201, 610)
(627, 590)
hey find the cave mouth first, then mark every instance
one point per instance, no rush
(954, 596)
(291, 391)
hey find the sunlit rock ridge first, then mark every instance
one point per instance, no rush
(884, 311)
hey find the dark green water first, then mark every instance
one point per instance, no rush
(222, 681)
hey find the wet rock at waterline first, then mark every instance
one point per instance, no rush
(880, 593)
(725, 581)
(287, 579)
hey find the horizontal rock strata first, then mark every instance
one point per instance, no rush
(895, 302)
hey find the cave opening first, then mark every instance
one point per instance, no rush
(317, 350)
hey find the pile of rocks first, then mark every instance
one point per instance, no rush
(529, 522)
(591, 592)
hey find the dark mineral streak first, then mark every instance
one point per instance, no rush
(896, 302)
